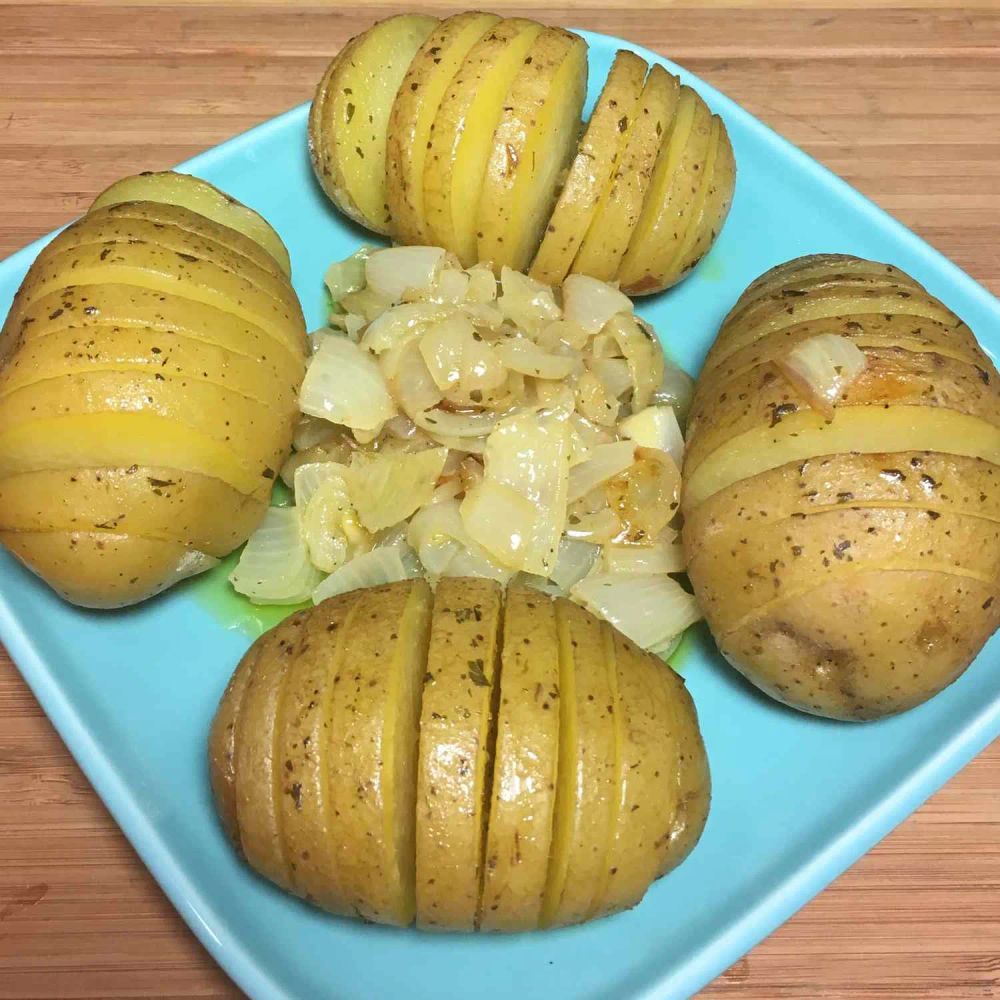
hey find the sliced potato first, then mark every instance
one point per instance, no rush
(158, 503)
(372, 764)
(459, 684)
(620, 207)
(671, 199)
(519, 830)
(352, 115)
(532, 147)
(303, 744)
(805, 434)
(462, 134)
(590, 171)
(413, 112)
(586, 788)
(120, 440)
(199, 196)
(166, 272)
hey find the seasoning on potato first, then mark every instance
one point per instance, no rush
(840, 489)
(466, 134)
(458, 758)
(149, 372)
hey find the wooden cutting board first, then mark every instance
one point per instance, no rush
(901, 99)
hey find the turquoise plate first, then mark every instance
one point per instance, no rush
(797, 799)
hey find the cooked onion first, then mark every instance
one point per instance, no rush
(591, 303)
(821, 368)
(387, 489)
(656, 427)
(396, 271)
(388, 564)
(275, 567)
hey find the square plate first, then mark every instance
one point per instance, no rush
(796, 799)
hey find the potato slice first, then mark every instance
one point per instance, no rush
(257, 769)
(120, 440)
(620, 207)
(199, 196)
(519, 829)
(532, 147)
(372, 764)
(590, 171)
(648, 797)
(253, 434)
(462, 134)
(86, 306)
(670, 203)
(872, 429)
(861, 662)
(113, 230)
(222, 747)
(107, 347)
(303, 745)
(586, 789)
(788, 557)
(763, 397)
(131, 568)
(452, 776)
(157, 503)
(911, 480)
(413, 111)
(357, 93)
(166, 272)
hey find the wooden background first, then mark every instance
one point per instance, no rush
(902, 99)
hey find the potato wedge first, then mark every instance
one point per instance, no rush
(532, 147)
(586, 788)
(159, 503)
(458, 703)
(519, 829)
(372, 766)
(352, 116)
(413, 111)
(462, 134)
(805, 434)
(303, 744)
(590, 171)
(620, 207)
(201, 197)
(671, 201)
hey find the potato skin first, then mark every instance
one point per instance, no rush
(852, 585)
(149, 371)
(325, 785)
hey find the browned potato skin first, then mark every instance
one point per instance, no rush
(301, 757)
(847, 585)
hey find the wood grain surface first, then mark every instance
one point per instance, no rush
(900, 98)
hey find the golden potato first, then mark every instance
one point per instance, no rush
(470, 761)
(590, 171)
(847, 566)
(149, 374)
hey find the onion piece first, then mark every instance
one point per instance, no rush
(676, 390)
(329, 522)
(343, 384)
(370, 569)
(647, 497)
(642, 352)
(590, 303)
(402, 322)
(274, 567)
(661, 557)
(482, 284)
(656, 427)
(443, 349)
(395, 271)
(598, 527)
(593, 401)
(575, 560)
(614, 375)
(821, 368)
(346, 276)
(525, 356)
(527, 303)
(651, 610)
(387, 489)
(451, 287)
(605, 462)
(437, 534)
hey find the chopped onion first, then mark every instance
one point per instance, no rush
(274, 567)
(441, 424)
(386, 489)
(443, 349)
(451, 286)
(598, 527)
(398, 270)
(527, 303)
(438, 535)
(676, 390)
(646, 499)
(525, 356)
(591, 303)
(482, 284)
(365, 303)
(614, 375)
(594, 402)
(410, 381)
(642, 352)
(576, 559)
(309, 476)
(400, 323)
(821, 369)
(651, 610)
(539, 583)
(330, 525)
(344, 385)
(311, 431)
(656, 427)
(661, 557)
(482, 370)
(389, 564)
(346, 276)
(605, 462)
